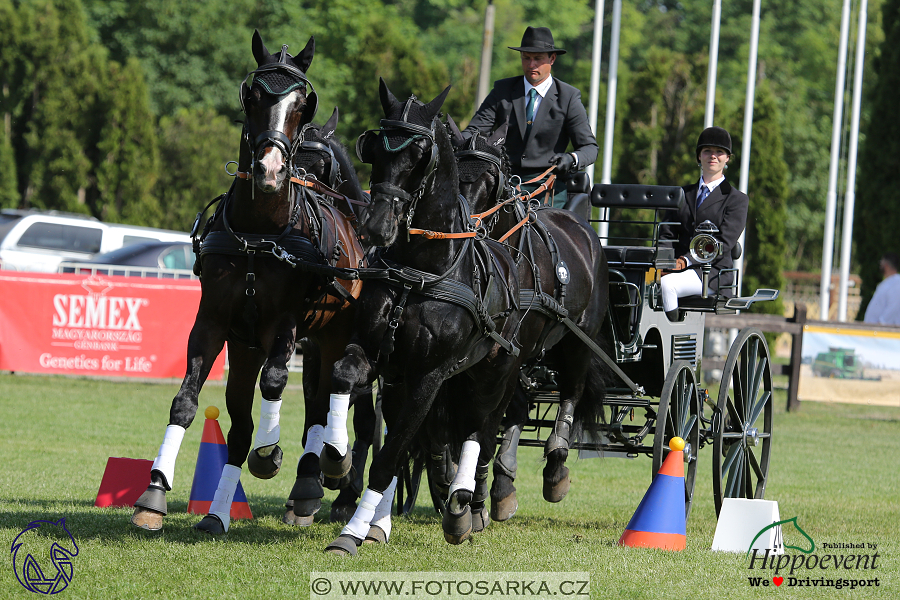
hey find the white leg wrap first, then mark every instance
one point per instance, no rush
(358, 526)
(465, 475)
(336, 431)
(267, 434)
(168, 452)
(221, 504)
(315, 440)
(382, 516)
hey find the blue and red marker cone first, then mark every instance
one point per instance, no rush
(211, 460)
(659, 519)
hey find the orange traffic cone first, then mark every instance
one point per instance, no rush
(211, 460)
(659, 520)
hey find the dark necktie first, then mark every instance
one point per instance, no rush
(702, 194)
(529, 110)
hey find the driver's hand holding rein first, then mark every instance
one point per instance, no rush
(712, 198)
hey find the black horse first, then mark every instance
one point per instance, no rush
(445, 316)
(547, 239)
(269, 257)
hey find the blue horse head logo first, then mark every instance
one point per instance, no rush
(42, 556)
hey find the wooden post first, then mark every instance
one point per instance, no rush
(793, 402)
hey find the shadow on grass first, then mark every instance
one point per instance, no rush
(88, 522)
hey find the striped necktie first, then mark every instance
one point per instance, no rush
(702, 194)
(529, 110)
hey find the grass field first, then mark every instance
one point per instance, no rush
(834, 466)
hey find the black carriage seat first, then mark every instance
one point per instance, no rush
(578, 188)
(630, 264)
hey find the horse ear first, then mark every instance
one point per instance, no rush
(456, 136)
(260, 52)
(498, 136)
(433, 107)
(304, 59)
(388, 101)
(330, 126)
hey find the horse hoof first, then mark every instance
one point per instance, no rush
(211, 524)
(333, 464)
(376, 535)
(306, 496)
(555, 492)
(480, 519)
(290, 518)
(342, 513)
(265, 467)
(145, 518)
(344, 545)
(307, 507)
(457, 528)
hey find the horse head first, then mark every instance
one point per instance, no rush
(276, 105)
(315, 154)
(483, 166)
(404, 157)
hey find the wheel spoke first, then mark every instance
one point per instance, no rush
(754, 464)
(758, 406)
(751, 373)
(736, 421)
(733, 477)
(730, 457)
(757, 378)
(688, 427)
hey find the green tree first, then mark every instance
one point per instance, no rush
(877, 218)
(764, 260)
(127, 157)
(196, 145)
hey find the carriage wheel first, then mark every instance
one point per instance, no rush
(678, 415)
(742, 425)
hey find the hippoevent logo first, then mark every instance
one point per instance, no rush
(839, 564)
(42, 556)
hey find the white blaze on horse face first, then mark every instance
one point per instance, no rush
(336, 429)
(272, 163)
(168, 452)
(268, 432)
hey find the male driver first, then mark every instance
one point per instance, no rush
(544, 115)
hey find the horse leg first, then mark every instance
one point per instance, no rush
(344, 505)
(504, 503)
(264, 461)
(401, 431)
(239, 402)
(556, 450)
(480, 518)
(457, 521)
(351, 371)
(305, 498)
(204, 344)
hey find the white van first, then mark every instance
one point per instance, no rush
(39, 241)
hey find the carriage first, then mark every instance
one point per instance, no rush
(656, 391)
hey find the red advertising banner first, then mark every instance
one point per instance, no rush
(97, 325)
